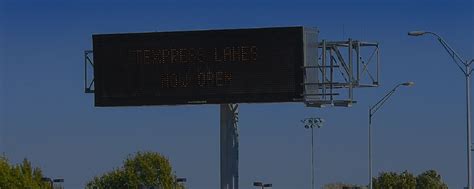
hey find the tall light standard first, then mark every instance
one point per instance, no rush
(372, 110)
(260, 184)
(52, 181)
(311, 123)
(180, 182)
(465, 67)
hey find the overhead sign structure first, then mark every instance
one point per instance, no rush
(228, 67)
(202, 67)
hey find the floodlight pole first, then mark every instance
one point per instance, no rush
(261, 184)
(311, 123)
(229, 145)
(467, 71)
(52, 181)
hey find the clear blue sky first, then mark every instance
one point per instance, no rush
(46, 117)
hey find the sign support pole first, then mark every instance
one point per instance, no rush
(229, 140)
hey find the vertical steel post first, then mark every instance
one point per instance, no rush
(358, 61)
(229, 146)
(468, 112)
(378, 65)
(312, 157)
(331, 70)
(85, 71)
(351, 70)
(323, 62)
(370, 149)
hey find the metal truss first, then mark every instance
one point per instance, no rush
(88, 68)
(341, 67)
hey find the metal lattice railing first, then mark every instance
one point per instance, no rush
(341, 67)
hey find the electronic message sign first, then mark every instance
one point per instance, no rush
(202, 67)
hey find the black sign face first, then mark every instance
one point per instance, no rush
(199, 67)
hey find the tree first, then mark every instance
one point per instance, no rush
(405, 180)
(142, 169)
(430, 179)
(23, 175)
(386, 180)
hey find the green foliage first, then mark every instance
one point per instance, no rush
(142, 169)
(405, 180)
(386, 180)
(20, 176)
(430, 179)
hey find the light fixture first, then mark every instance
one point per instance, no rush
(408, 84)
(416, 33)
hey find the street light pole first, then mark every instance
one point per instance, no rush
(372, 110)
(370, 149)
(467, 71)
(311, 123)
(312, 157)
(468, 121)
